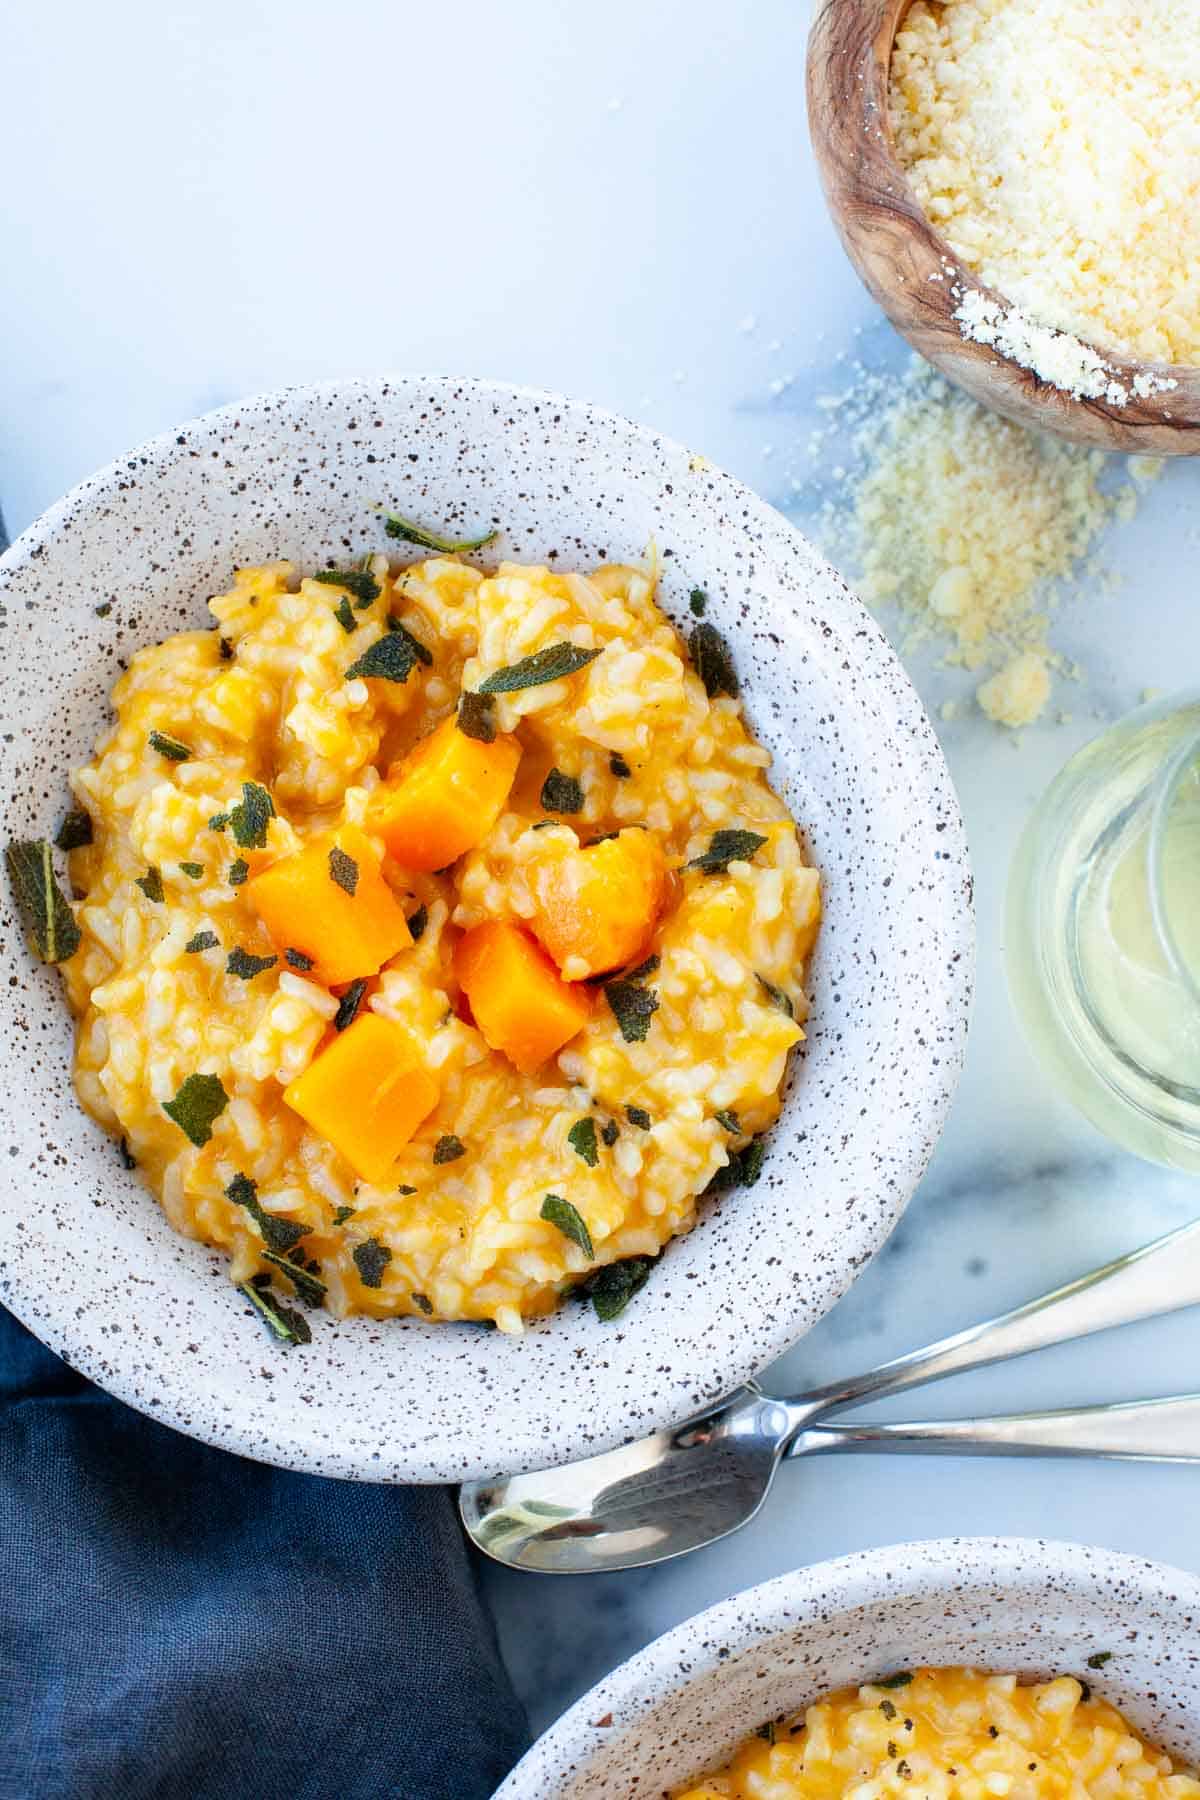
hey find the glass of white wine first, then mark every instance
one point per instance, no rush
(1103, 931)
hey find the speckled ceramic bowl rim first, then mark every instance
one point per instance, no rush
(846, 1585)
(285, 1433)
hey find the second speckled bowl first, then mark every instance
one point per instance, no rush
(87, 1258)
(1013, 1605)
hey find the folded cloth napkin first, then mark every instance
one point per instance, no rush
(179, 1624)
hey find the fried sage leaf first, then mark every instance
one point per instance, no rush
(408, 532)
(151, 885)
(550, 664)
(611, 1288)
(474, 717)
(349, 1004)
(307, 1283)
(392, 657)
(245, 965)
(448, 1149)
(726, 847)
(344, 870)
(283, 1322)
(560, 1212)
(45, 910)
(562, 793)
(712, 661)
(168, 746)
(75, 831)
(200, 1100)
(633, 1006)
(371, 1259)
(280, 1235)
(251, 816)
(358, 582)
(582, 1139)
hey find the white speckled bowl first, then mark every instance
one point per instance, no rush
(86, 1258)
(1013, 1605)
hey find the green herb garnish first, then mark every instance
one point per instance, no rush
(344, 614)
(633, 1006)
(611, 1288)
(448, 1149)
(296, 959)
(283, 1322)
(610, 1131)
(423, 1303)
(279, 1235)
(776, 995)
(410, 533)
(1098, 1659)
(405, 1190)
(344, 870)
(474, 717)
(561, 793)
(727, 847)
(728, 1119)
(238, 872)
(712, 661)
(45, 910)
(343, 1213)
(246, 966)
(550, 664)
(644, 969)
(767, 1731)
(218, 822)
(417, 922)
(899, 1680)
(169, 747)
(151, 885)
(200, 1100)
(75, 831)
(698, 601)
(359, 582)
(743, 1168)
(307, 1283)
(194, 870)
(371, 1259)
(619, 766)
(392, 657)
(560, 1212)
(203, 940)
(582, 1139)
(349, 1004)
(415, 645)
(251, 816)
(637, 1115)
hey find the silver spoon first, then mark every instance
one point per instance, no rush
(694, 1483)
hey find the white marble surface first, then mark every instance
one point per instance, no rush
(203, 200)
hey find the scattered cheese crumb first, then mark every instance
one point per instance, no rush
(1056, 145)
(967, 523)
(1016, 694)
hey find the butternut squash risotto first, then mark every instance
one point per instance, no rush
(950, 1734)
(439, 937)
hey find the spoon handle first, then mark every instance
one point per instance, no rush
(1162, 1277)
(1156, 1430)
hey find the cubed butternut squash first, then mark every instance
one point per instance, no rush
(330, 902)
(366, 1092)
(444, 797)
(596, 908)
(518, 999)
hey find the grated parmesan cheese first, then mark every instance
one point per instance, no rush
(1056, 145)
(968, 524)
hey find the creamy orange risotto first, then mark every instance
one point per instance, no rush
(950, 1734)
(440, 937)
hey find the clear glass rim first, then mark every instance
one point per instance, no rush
(1173, 774)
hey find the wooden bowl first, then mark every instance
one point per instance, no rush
(914, 274)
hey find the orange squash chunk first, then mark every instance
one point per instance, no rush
(366, 1092)
(444, 797)
(518, 999)
(600, 903)
(306, 907)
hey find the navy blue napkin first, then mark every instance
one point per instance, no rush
(180, 1624)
